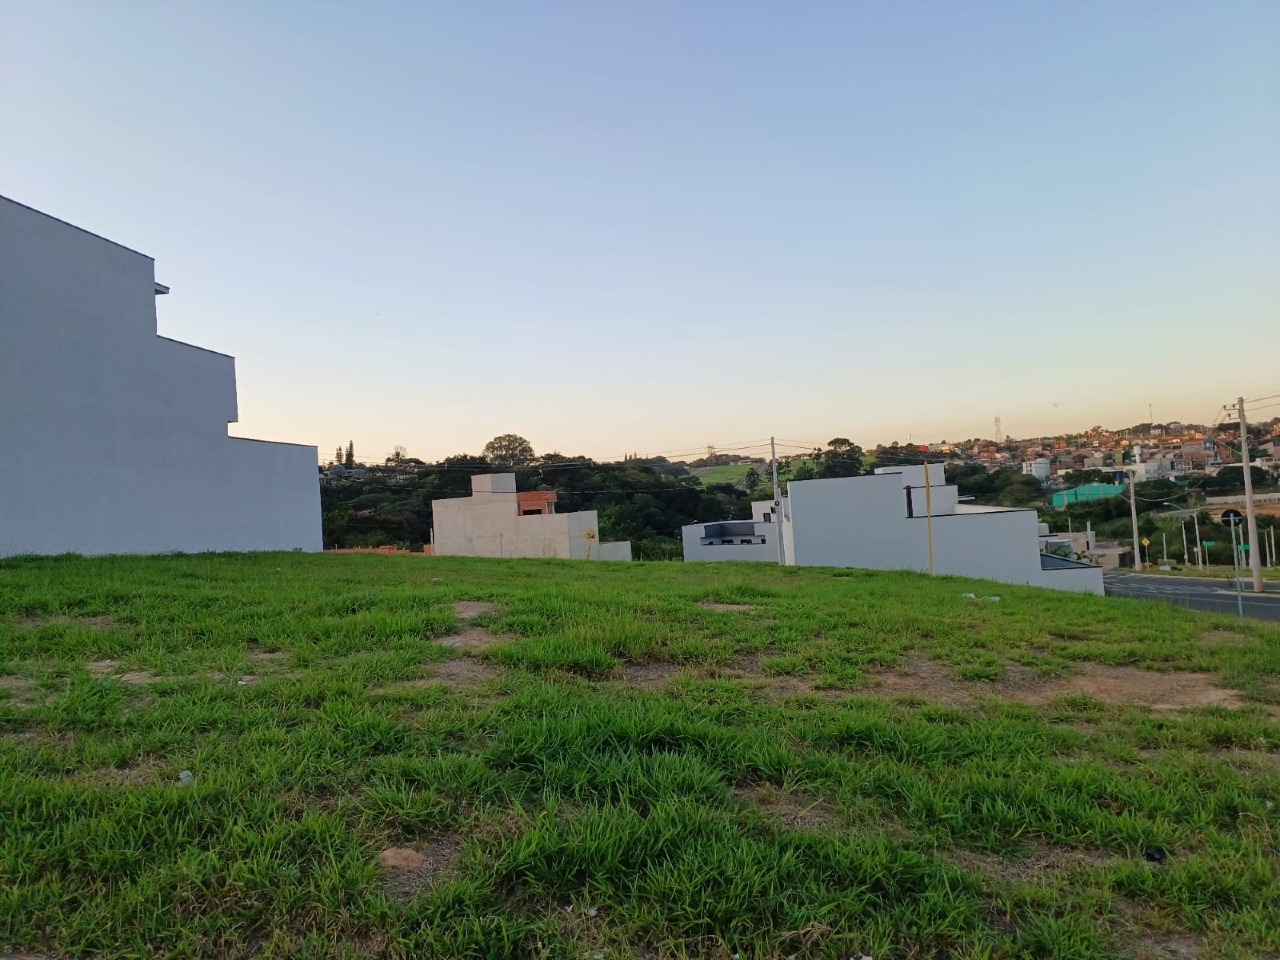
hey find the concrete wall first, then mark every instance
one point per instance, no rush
(488, 524)
(116, 438)
(863, 522)
(695, 550)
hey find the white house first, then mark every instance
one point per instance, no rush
(495, 521)
(115, 438)
(881, 521)
(754, 539)
(1040, 468)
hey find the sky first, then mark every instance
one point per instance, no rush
(646, 227)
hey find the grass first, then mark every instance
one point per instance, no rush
(827, 763)
(733, 473)
(736, 473)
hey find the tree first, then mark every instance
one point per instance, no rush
(350, 460)
(509, 450)
(337, 454)
(842, 458)
(752, 480)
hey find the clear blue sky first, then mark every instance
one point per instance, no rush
(644, 226)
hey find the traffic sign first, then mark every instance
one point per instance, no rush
(1232, 517)
(1211, 543)
(1146, 542)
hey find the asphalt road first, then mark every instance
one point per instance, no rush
(1215, 596)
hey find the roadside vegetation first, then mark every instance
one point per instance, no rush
(345, 756)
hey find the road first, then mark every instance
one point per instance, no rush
(1215, 596)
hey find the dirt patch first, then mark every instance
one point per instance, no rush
(131, 678)
(1035, 866)
(20, 690)
(460, 674)
(33, 622)
(649, 674)
(751, 668)
(268, 657)
(797, 810)
(129, 776)
(472, 638)
(1168, 946)
(1223, 638)
(725, 607)
(470, 609)
(1132, 686)
(1116, 686)
(406, 871)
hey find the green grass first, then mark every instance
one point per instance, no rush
(733, 473)
(857, 763)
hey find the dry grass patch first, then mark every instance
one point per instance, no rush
(130, 678)
(20, 690)
(460, 674)
(1040, 865)
(725, 607)
(409, 870)
(794, 809)
(1112, 685)
(132, 775)
(33, 622)
(1130, 686)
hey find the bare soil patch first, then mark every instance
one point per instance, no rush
(268, 657)
(460, 674)
(797, 810)
(103, 622)
(1036, 866)
(472, 638)
(408, 870)
(1117, 686)
(725, 607)
(135, 775)
(131, 678)
(649, 674)
(1223, 637)
(470, 609)
(1135, 687)
(21, 690)
(750, 667)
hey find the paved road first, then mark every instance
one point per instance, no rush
(1215, 596)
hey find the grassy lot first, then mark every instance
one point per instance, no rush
(476, 758)
(733, 473)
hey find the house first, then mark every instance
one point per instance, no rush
(754, 539)
(882, 521)
(84, 374)
(496, 521)
(1038, 468)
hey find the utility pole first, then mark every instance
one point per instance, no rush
(1195, 516)
(1255, 558)
(777, 504)
(928, 512)
(1133, 512)
(1164, 548)
(1186, 557)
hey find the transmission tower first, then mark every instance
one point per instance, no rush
(999, 432)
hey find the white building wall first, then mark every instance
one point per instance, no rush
(116, 438)
(488, 524)
(863, 522)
